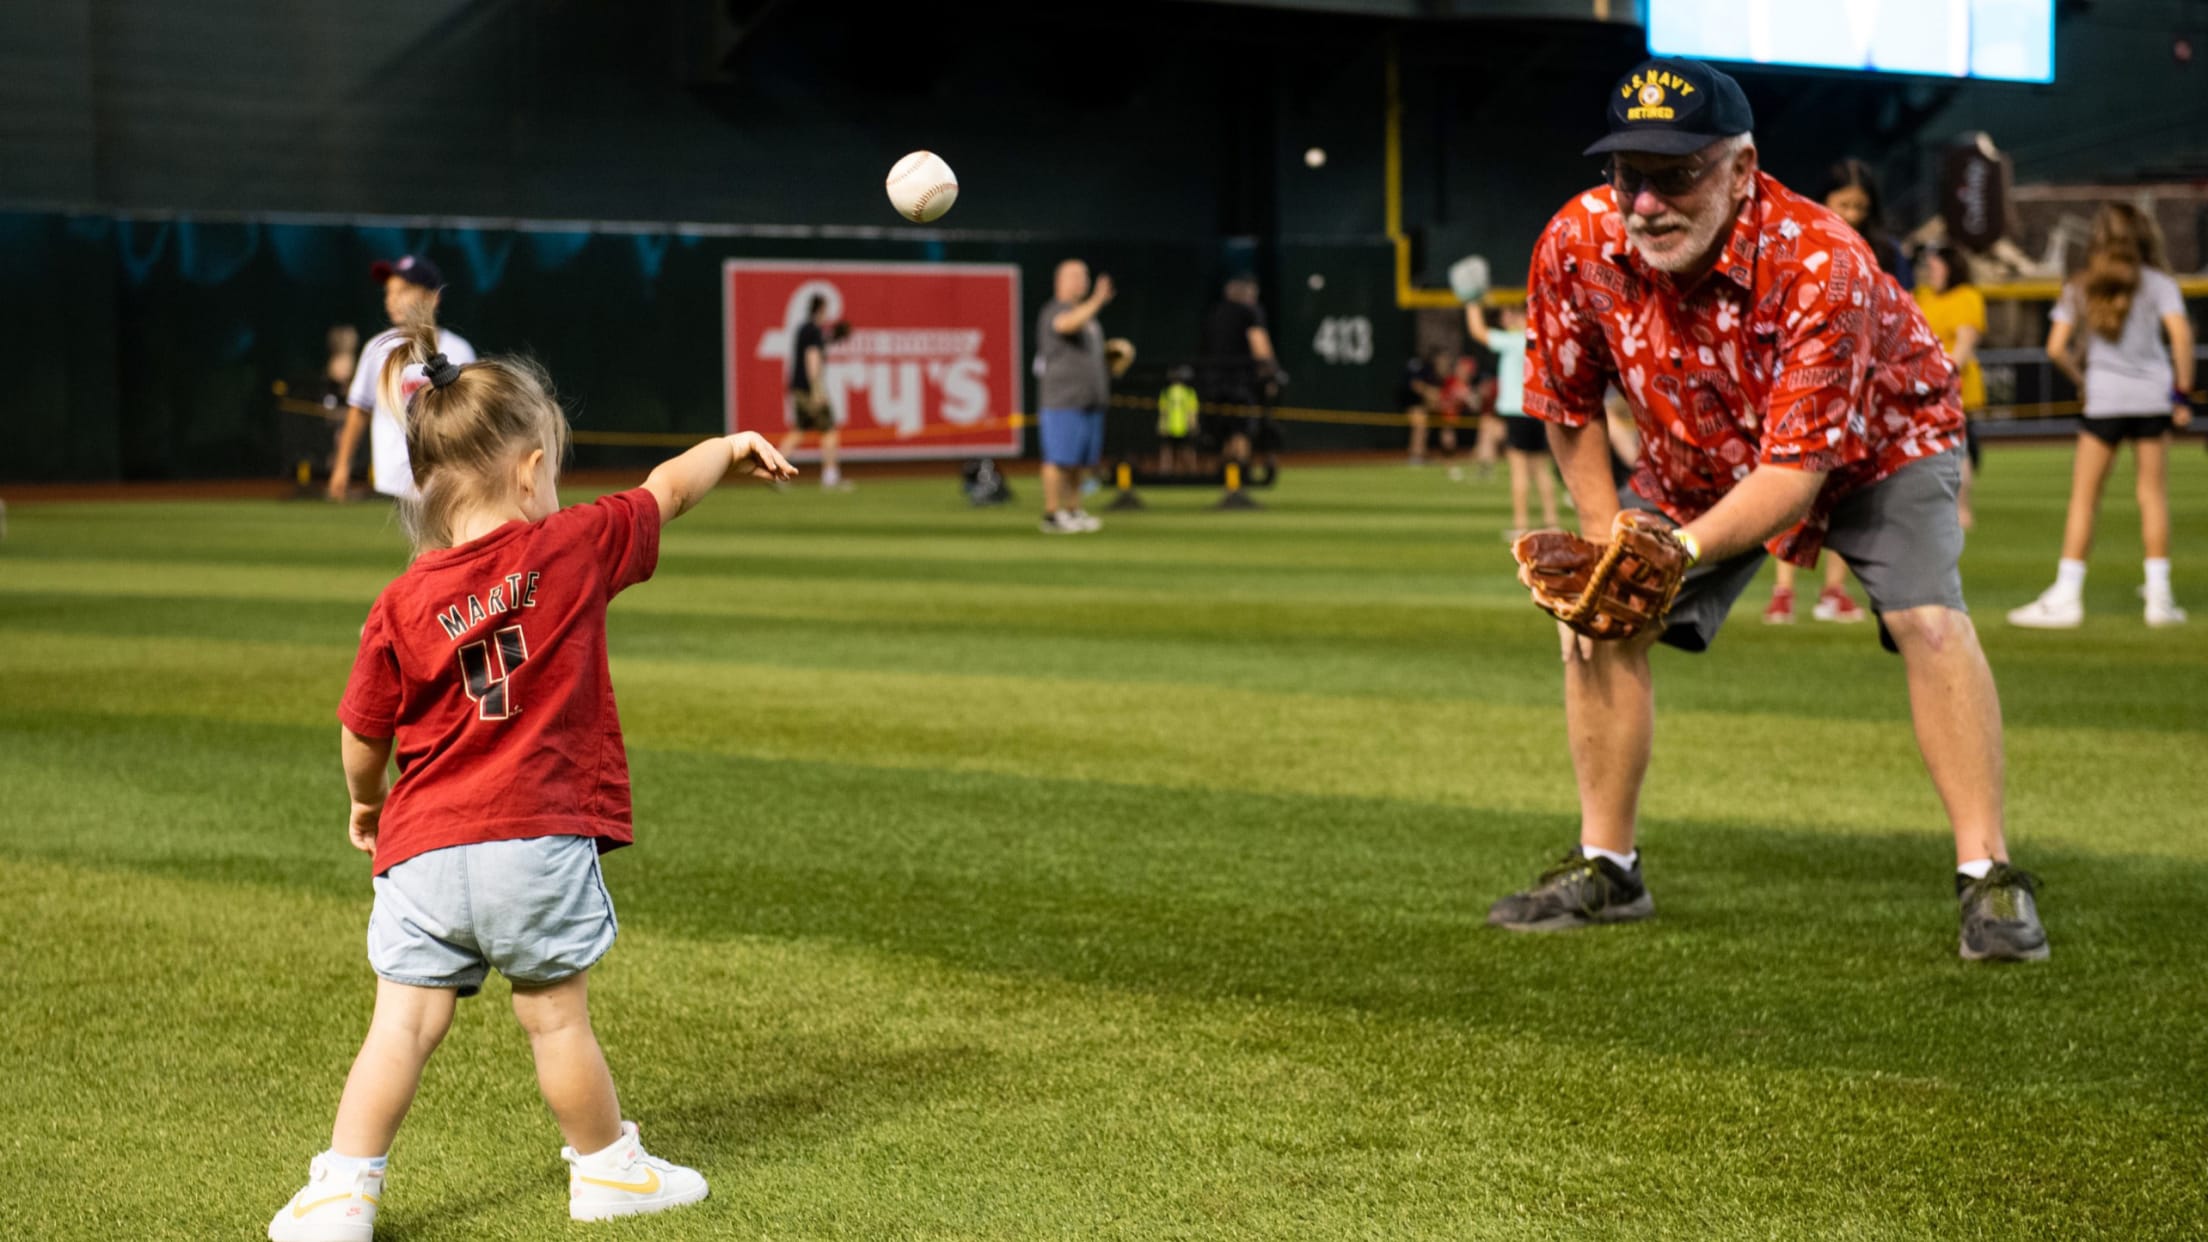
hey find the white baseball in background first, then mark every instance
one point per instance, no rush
(922, 187)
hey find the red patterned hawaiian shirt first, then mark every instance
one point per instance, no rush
(1794, 351)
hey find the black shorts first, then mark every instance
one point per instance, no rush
(2116, 429)
(1220, 428)
(809, 414)
(1525, 434)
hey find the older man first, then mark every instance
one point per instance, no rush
(1789, 397)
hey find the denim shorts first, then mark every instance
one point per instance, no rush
(1073, 439)
(535, 910)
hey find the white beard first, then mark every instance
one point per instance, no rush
(1701, 237)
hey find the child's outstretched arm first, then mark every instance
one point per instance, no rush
(679, 483)
(366, 760)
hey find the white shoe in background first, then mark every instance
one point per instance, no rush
(2162, 611)
(2051, 611)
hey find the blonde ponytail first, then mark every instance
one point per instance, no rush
(463, 423)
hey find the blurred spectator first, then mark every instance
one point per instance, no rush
(343, 342)
(1236, 354)
(810, 411)
(1074, 388)
(2136, 384)
(1525, 439)
(1851, 192)
(1488, 432)
(1460, 398)
(1956, 310)
(1420, 399)
(1177, 407)
(406, 280)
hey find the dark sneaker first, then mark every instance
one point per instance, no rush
(1576, 892)
(2001, 916)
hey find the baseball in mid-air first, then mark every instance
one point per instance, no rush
(922, 187)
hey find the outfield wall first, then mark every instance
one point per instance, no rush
(155, 344)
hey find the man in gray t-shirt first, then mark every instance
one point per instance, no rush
(1072, 389)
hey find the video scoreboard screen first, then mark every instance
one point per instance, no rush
(2003, 40)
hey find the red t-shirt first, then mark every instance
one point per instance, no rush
(487, 664)
(1794, 351)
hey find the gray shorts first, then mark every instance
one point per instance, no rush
(1901, 537)
(536, 910)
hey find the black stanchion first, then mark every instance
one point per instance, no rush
(1235, 497)
(1124, 478)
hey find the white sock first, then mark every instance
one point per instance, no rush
(611, 1150)
(1975, 869)
(2069, 578)
(346, 1165)
(1624, 861)
(2158, 576)
(830, 477)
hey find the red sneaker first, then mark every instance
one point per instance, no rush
(1780, 611)
(1835, 604)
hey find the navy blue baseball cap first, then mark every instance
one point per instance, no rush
(1674, 107)
(411, 268)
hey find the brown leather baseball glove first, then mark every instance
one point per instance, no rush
(1605, 590)
(1119, 354)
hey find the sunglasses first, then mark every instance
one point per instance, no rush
(1675, 181)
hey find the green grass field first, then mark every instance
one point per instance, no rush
(993, 886)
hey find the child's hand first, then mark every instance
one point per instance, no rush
(365, 823)
(754, 454)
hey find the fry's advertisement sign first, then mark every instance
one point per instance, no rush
(930, 366)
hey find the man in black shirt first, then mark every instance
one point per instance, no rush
(1237, 357)
(809, 408)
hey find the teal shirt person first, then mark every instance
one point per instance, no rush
(1510, 371)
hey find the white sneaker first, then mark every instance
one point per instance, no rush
(2163, 611)
(331, 1207)
(626, 1180)
(2050, 612)
(1060, 524)
(1084, 522)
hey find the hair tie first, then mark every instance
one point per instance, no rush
(441, 370)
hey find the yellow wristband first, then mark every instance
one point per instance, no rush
(1690, 543)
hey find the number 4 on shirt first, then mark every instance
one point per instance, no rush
(485, 668)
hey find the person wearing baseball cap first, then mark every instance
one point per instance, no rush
(1790, 397)
(406, 280)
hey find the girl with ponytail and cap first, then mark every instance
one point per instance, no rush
(483, 667)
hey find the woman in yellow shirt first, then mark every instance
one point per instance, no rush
(1957, 313)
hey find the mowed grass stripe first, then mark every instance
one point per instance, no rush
(1491, 756)
(1357, 902)
(833, 1092)
(2062, 679)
